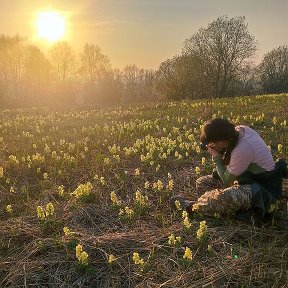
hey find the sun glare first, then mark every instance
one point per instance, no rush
(51, 26)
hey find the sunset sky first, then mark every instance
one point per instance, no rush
(144, 32)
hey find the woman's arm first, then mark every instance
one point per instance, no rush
(223, 173)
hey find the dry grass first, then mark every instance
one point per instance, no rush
(33, 257)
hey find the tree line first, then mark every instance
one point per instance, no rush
(217, 61)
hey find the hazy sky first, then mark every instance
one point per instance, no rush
(145, 32)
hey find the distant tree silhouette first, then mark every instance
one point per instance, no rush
(12, 62)
(215, 62)
(63, 61)
(138, 83)
(94, 67)
(224, 46)
(273, 71)
(37, 76)
(181, 77)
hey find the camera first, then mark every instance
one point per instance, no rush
(203, 146)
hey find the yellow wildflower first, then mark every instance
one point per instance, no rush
(83, 190)
(147, 185)
(107, 161)
(1, 172)
(197, 170)
(81, 255)
(137, 172)
(195, 207)
(111, 258)
(67, 231)
(178, 205)
(188, 254)
(49, 209)
(202, 231)
(137, 259)
(203, 160)
(140, 199)
(178, 239)
(209, 248)
(83, 259)
(129, 211)
(13, 159)
(172, 240)
(114, 198)
(184, 214)
(170, 185)
(273, 207)
(159, 185)
(9, 209)
(186, 223)
(121, 212)
(102, 181)
(61, 190)
(78, 249)
(40, 212)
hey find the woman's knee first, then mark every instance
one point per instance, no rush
(207, 182)
(236, 197)
(203, 180)
(225, 201)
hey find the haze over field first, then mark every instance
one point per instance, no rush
(143, 32)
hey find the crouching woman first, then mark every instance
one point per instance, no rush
(247, 180)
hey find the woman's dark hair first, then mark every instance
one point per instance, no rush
(220, 130)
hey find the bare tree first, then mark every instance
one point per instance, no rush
(181, 77)
(63, 61)
(138, 83)
(131, 75)
(223, 47)
(12, 59)
(273, 71)
(37, 75)
(111, 87)
(94, 67)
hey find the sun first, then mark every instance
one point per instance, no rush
(51, 26)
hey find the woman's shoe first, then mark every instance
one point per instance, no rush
(184, 203)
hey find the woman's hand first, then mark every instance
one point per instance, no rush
(212, 151)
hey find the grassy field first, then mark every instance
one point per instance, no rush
(106, 175)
